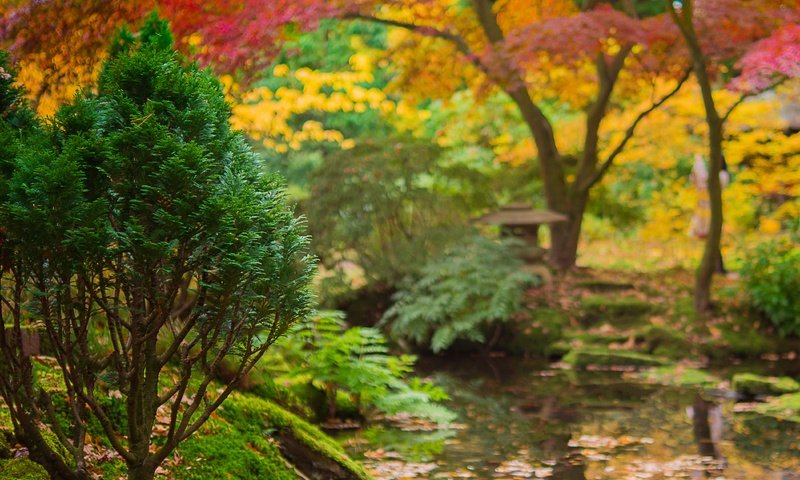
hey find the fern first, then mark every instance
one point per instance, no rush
(460, 295)
(357, 362)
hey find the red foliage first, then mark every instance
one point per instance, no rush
(728, 28)
(770, 60)
(575, 38)
(244, 33)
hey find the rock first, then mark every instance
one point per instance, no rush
(22, 469)
(252, 437)
(622, 311)
(5, 445)
(680, 376)
(784, 407)
(583, 357)
(752, 385)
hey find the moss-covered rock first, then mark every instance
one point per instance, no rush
(663, 341)
(535, 335)
(618, 311)
(604, 286)
(583, 357)
(783, 407)
(219, 450)
(600, 338)
(752, 385)
(559, 349)
(5, 445)
(22, 469)
(251, 437)
(677, 375)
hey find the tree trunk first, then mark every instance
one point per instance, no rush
(683, 18)
(705, 272)
(142, 471)
(564, 237)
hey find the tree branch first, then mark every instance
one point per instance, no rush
(747, 95)
(451, 37)
(631, 130)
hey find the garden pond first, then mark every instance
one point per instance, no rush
(523, 419)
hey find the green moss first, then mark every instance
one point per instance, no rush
(663, 341)
(313, 398)
(219, 450)
(618, 311)
(56, 446)
(6, 432)
(559, 349)
(604, 286)
(603, 339)
(112, 468)
(22, 469)
(675, 375)
(751, 384)
(5, 445)
(537, 334)
(582, 357)
(346, 407)
(255, 415)
(783, 407)
(747, 342)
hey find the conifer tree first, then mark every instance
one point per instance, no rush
(149, 245)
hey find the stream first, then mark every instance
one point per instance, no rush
(523, 419)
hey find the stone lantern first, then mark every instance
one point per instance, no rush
(519, 220)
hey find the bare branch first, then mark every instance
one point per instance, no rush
(631, 130)
(451, 37)
(747, 95)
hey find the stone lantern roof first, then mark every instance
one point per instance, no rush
(521, 214)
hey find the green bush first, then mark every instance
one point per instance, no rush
(357, 362)
(771, 278)
(464, 294)
(147, 221)
(386, 204)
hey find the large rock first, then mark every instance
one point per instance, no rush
(251, 437)
(783, 407)
(583, 357)
(749, 384)
(22, 469)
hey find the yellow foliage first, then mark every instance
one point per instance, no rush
(769, 226)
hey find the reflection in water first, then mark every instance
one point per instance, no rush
(707, 426)
(530, 420)
(573, 467)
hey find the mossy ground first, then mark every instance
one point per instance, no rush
(751, 385)
(22, 469)
(783, 407)
(679, 376)
(650, 313)
(583, 357)
(240, 440)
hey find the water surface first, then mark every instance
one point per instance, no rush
(520, 419)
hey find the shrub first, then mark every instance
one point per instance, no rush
(385, 205)
(771, 279)
(464, 294)
(357, 362)
(147, 217)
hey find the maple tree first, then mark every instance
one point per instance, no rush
(500, 44)
(715, 31)
(514, 47)
(60, 44)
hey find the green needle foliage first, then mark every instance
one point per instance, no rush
(146, 240)
(465, 294)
